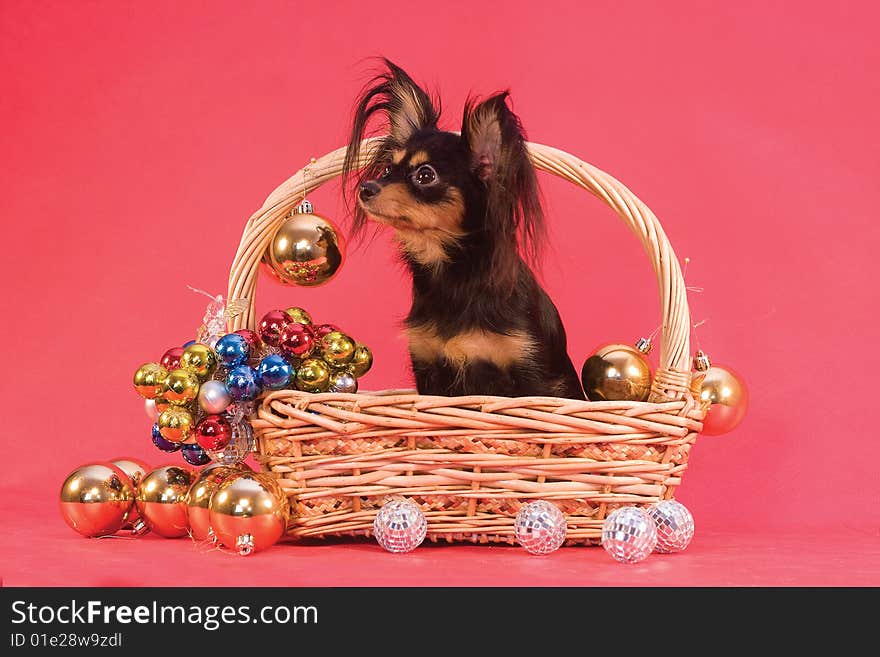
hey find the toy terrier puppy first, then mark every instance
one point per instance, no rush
(466, 212)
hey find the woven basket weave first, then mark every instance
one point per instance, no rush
(472, 462)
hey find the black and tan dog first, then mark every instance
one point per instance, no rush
(465, 209)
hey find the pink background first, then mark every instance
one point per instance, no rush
(138, 137)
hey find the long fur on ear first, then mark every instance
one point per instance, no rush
(495, 138)
(407, 109)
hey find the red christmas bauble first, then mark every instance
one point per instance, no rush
(297, 340)
(272, 325)
(324, 329)
(171, 358)
(213, 432)
(252, 339)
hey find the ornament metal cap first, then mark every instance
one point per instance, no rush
(305, 207)
(644, 345)
(244, 544)
(139, 527)
(701, 361)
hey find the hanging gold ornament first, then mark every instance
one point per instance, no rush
(306, 250)
(96, 499)
(728, 400)
(199, 496)
(249, 512)
(616, 372)
(161, 500)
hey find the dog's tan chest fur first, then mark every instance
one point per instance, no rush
(500, 349)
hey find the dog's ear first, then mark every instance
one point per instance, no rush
(406, 107)
(410, 109)
(495, 139)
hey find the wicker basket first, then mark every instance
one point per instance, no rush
(471, 462)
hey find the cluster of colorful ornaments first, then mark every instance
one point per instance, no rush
(201, 395)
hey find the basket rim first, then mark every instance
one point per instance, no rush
(673, 376)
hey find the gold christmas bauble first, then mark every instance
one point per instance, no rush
(200, 359)
(337, 349)
(249, 512)
(136, 471)
(181, 387)
(175, 424)
(149, 380)
(161, 500)
(199, 495)
(313, 375)
(306, 250)
(616, 372)
(361, 361)
(728, 397)
(298, 315)
(96, 499)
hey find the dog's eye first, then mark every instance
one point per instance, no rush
(425, 175)
(385, 171)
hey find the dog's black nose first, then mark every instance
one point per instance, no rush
(368, 190)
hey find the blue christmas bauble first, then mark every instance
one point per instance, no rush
(160, 442)
(232, 349)
(195, 455)
(274, 372)
(243, 383)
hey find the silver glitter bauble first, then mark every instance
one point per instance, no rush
(629, 535)
(400, 526)
(240, 445)
(674, 524)
(540, 527)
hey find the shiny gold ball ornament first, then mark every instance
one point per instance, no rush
(306, 249)
(337, 349)
(728, 397)
(161, 500)
(616, 372)
(136, 470)
(361, 361)
(249, 512)
(149, 380)
(176, 424)
(298, 315)
(181, 387)
(199, 496)
(200, 359)
(313, 375)
(96, 499)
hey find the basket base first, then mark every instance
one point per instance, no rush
(439, 538)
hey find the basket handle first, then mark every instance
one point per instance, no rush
(672, 379)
